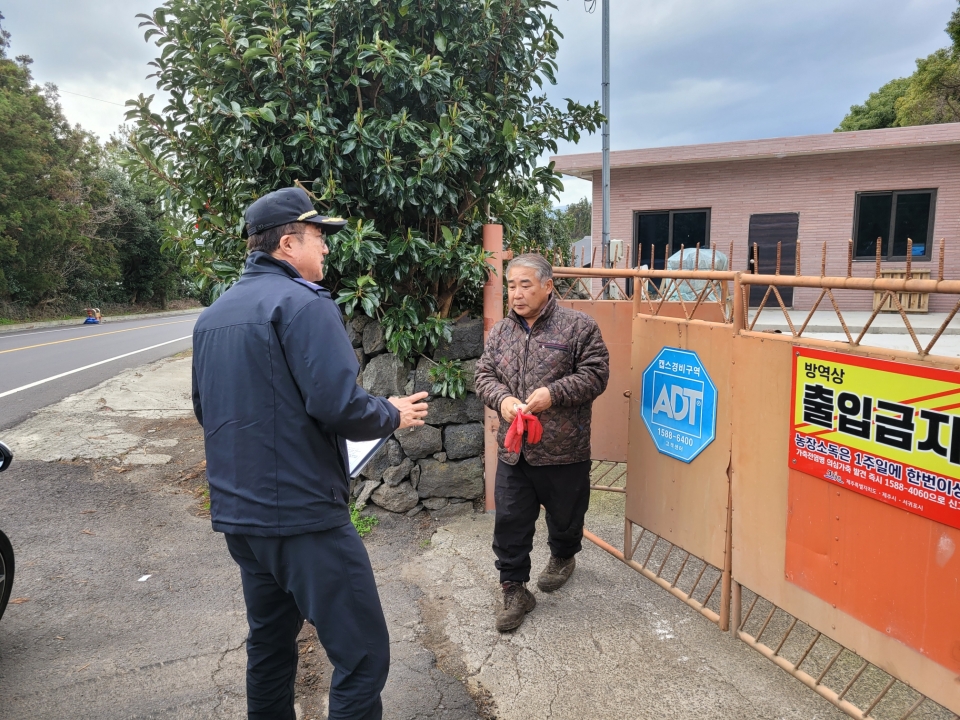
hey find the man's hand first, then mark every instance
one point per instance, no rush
(412, 410)
(508, 408)
(538, 401)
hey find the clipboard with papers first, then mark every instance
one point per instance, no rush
(362, 452)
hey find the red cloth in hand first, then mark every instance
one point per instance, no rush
(523, 422)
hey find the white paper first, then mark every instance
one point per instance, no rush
(357, 452)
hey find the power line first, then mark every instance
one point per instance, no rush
(89, 97)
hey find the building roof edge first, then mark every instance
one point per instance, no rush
(585, 164)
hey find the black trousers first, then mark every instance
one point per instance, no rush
(563, 490)
(326, 578)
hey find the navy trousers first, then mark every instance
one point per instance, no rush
(520, 490)
(326, 578)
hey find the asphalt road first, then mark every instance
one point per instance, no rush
(41, 367)
(84, 638)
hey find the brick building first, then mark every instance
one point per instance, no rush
(890, 184)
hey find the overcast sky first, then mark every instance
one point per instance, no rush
(682, 71)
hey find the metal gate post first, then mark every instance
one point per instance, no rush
(492, 313)
(736, 610)
(638, 289)
(628, 524)
(739, 311)
(730, 609)
(727, 562)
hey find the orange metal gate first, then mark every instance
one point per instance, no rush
(609, 435)
(855, 598)
(851, 569)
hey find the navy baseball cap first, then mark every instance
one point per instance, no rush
(289, 205)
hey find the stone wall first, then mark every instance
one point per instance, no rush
(437, 467)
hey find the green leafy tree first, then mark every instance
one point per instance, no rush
(934, 92)
(51, 204)
(580, 216)
(536, 226)
(135, 229)
(880, 109)
(931, 95)
(419, 120)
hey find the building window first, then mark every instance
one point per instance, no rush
(666, 230)
(893, 217)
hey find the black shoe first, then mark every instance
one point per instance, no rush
(517, 602)
(556, 573)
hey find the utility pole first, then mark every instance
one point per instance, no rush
(590, 6)
(605, 133)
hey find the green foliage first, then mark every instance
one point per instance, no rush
(50, 201)
(931, 95)
(879, 111)
(407, 335)
(411, 270)
(75, 230)
(363, 523)
(934, 92)
(448, 378)
(580, 218)
(537, 227)
(417, 119)
(134, 228)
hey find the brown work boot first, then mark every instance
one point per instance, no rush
(556, 573)
(517, 602)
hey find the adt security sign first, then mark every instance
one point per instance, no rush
(679, 404)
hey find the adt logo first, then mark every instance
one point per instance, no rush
(679, 404)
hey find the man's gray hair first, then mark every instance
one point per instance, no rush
(536, 262)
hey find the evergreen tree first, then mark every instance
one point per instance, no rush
(50, 202)
(417, 119)
(931, 95)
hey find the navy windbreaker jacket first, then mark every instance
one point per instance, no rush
(275, 389)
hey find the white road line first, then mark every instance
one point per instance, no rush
(92, 365)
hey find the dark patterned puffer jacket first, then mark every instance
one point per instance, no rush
(563, 352)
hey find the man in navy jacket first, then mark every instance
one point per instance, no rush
(274, 387)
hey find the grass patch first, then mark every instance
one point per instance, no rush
(363, 523)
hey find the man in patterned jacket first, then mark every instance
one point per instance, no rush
(552, 362)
